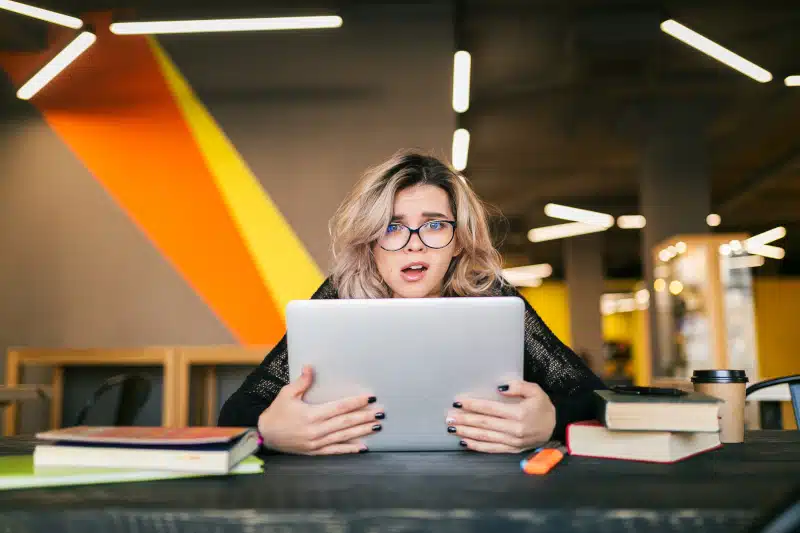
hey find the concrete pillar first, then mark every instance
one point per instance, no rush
(674, 187)
(583, 259)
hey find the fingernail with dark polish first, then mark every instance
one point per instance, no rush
(376, 427)
(451, 429)
(372, 399)
(463, 443)
(503, 388)
(457, 405)
(380, 416)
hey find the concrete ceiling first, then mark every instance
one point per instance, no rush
(553, 88)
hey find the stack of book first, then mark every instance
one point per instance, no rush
(91, 454)
(661, 429)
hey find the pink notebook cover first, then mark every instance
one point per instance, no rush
(144, 435)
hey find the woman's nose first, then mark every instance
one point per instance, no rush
(415, 244)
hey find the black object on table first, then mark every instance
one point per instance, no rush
(726, 490)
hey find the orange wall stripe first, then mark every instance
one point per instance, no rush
(280, 257)
(114, 110)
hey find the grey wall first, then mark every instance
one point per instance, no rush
(309, 112)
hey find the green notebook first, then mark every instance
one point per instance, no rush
(17, 472)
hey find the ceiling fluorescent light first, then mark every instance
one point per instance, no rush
(221, 25)
(626, 305)
(528, 275)
(631, 221)
(561, 231)
(618, 303)
(460, 149)
(579, 215)
(41, 14)
(720, 53)
(462, 63)
(642, 298)
(543, 270)
(792, 81)
(765, 238)
(522, 280)
(765, 250)
(61, 61)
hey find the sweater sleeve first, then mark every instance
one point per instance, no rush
(264, 383)
(563, 375)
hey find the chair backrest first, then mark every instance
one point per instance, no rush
(134, 392)
(794, 390)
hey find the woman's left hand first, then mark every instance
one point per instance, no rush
(496, 427)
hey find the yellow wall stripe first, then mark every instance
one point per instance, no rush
(280, 257)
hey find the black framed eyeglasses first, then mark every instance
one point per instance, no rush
(433, 234)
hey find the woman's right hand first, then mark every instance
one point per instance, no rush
(291, 425)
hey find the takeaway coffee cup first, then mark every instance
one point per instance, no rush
(729, 386)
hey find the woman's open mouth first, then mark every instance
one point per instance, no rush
(414, 271)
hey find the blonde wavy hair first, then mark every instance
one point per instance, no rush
(365, 213)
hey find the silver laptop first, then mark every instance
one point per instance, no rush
(415, 355)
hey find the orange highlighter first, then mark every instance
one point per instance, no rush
(542, 460)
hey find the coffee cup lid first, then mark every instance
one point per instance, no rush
(719, 376)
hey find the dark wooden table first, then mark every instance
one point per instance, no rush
(721, 491)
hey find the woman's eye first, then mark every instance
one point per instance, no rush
(392, 228)
(435, 225)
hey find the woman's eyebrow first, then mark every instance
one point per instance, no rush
(426, 214)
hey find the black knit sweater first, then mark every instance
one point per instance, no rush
(548, 362)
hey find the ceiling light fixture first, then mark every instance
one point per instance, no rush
(462, 64)
(611, 306)
(460, 149)
(792, 81)
(543, 270)
(223, 25)
(579, 215)
(527, 276)
(631, 222)
(765, 250)
(642, 297)
(41, 14)
(612, 303)
(56, 65)
(765, 238)
(561, 231)
(720, 53)
(713, 220)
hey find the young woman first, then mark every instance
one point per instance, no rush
(413, 228)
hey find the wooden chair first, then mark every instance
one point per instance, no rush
(12, 394)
